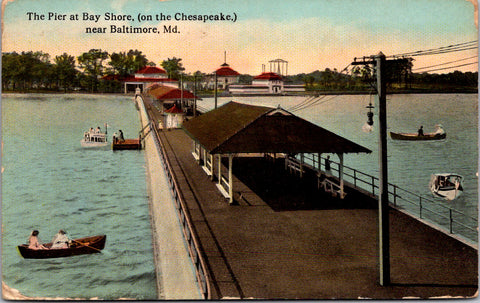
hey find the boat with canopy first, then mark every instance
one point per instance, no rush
(446, 185)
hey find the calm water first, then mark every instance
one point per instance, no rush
(410, 163)
(49, 182)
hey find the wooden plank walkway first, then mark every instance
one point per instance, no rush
(285, 240)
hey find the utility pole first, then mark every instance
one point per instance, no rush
(194, 95)
(383, 208)
(215, 93)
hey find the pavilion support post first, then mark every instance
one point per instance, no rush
(220, 169)
(340, 176)
(302, 159)
(212, 163)
(204, 157)
(230, 178)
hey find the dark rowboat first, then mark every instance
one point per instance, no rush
(416, 137)
(87, 245)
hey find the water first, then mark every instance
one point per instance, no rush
(410, 164)
(49, 182)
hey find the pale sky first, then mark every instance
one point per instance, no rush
(309, 34)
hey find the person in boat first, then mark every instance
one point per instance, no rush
(120, 136)
(420, 131)
(34, 242)
(115, 137)
(61, 240)
(98, 130)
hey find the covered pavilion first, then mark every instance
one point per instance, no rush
(237, 128)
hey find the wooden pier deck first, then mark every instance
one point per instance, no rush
(285, 240)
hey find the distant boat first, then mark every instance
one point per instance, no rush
(438, 134)
(94, 138)
(82, 246)
(446, 185)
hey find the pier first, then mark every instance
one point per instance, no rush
(288, 239)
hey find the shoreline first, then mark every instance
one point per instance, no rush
(306, 93)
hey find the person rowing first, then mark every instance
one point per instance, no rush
(61, 240)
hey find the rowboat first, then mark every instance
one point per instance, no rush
(81, 246)
(416, 137)
(446, 185)
(438, 134)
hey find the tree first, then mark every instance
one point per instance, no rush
(92, 65)
(125, 64)
(173, 67)
(65, 70)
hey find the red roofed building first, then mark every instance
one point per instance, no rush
(225, 76)
(146, 76)
(267, 83)
(168, 96)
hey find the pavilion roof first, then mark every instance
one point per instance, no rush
(241, 128)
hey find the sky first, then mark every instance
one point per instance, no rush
(310, 34)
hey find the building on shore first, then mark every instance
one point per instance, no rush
(269, 83)
(147, 76)
(225, 75)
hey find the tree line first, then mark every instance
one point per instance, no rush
(92, 71)
(99, 71)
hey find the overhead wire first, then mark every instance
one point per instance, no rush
(445, 63)
(440, 50)
(311, 101)
(450, 67)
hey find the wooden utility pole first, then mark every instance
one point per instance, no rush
(215, 93)
(383, 208)
(194, 95)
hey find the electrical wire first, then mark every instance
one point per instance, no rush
(432, 70)
(440, 50)
(425, 67)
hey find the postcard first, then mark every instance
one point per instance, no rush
(209, 150)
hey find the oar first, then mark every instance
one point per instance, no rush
(86, 245)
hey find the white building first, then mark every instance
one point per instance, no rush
(267, 83)
(147, 76)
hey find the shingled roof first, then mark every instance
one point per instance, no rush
(241, 128)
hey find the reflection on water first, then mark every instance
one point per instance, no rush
(50, 182)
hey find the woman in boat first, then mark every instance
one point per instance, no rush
(34, 242)
(60, 240)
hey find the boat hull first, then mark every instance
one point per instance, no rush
(416, 137)
(82, 246)
(90, 144)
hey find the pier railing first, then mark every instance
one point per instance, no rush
(187, 227)
(447, 219)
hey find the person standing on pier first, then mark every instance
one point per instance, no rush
(120, 136)
(327, 165)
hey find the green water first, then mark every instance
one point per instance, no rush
(49, 182)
